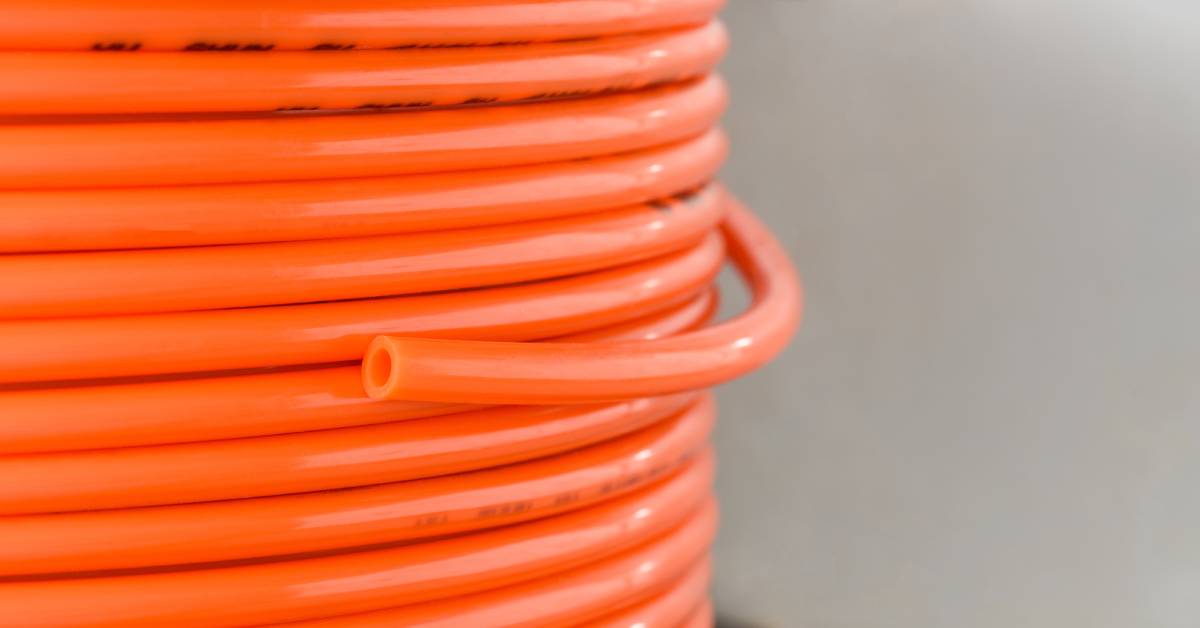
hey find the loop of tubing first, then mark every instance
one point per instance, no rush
(217, 408)
(348, 583)
(237, 276)
(81, 83)
(682, 605)
(465, 371)
(134, 218)
(277, 526)
(276, 147)
(696, 313)
(327, 25)
(43, 350)
(565, 599)
(314, 461)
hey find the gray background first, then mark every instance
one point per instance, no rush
(990, 416)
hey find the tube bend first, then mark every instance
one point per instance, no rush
(422, 369)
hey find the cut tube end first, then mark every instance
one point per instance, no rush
(379, 372)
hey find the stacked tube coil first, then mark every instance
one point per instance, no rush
(366, 313)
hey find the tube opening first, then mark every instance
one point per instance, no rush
(379, 369)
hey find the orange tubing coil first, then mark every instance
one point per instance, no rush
(366, 313)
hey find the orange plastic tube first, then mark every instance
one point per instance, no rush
(201, 278)
(363, 581)
(694, 314)
(261, 25)
(42, 350)
(561, 600)
(384, 513)
(36, 83)
(422, 369)
(314, 461)
(213, 408)
(132, 218)
(684, 604)
(276, 147)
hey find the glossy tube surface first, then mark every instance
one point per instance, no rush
(421, 369)
(41, 350)
(154, 412)
(563, 599)
(314, 461)
(250, 275)
(40, 83)
(325, 25)
(384, 513)
(363, 581)
(683, 605)
(277, 147)
(135, 218)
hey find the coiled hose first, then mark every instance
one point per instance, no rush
(366, 313)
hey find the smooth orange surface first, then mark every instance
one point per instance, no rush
(274, 526)
(36, 83)
(213, 408)
(368, 580)
(145, 25)
(695, 314)
(314, 461)
(321, 333)
(131, 218)
(563, 599)
(422, 369)
(207, 218)
(683, 605)
(202, 278)
(279, 147)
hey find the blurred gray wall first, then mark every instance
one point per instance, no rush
(991, 417)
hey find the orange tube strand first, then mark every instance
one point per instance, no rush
(313, 461)
(42, 350)
(564, 599)
(136, 218)
(421, 369)
(270, 25)
(41, 83)
(155, 412)
(117, 153)
(218, 531)
(342, 584)
(683, 605)
(202, 278)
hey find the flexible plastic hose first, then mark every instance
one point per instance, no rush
(136, 218)
(563, 599)
(307, 522)
(361, 314)
(254, 275)
(327, 25)
(271, 147)
(424, 369)
(683, 605)
(364, 580)
(83, 82)
(103, 414)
